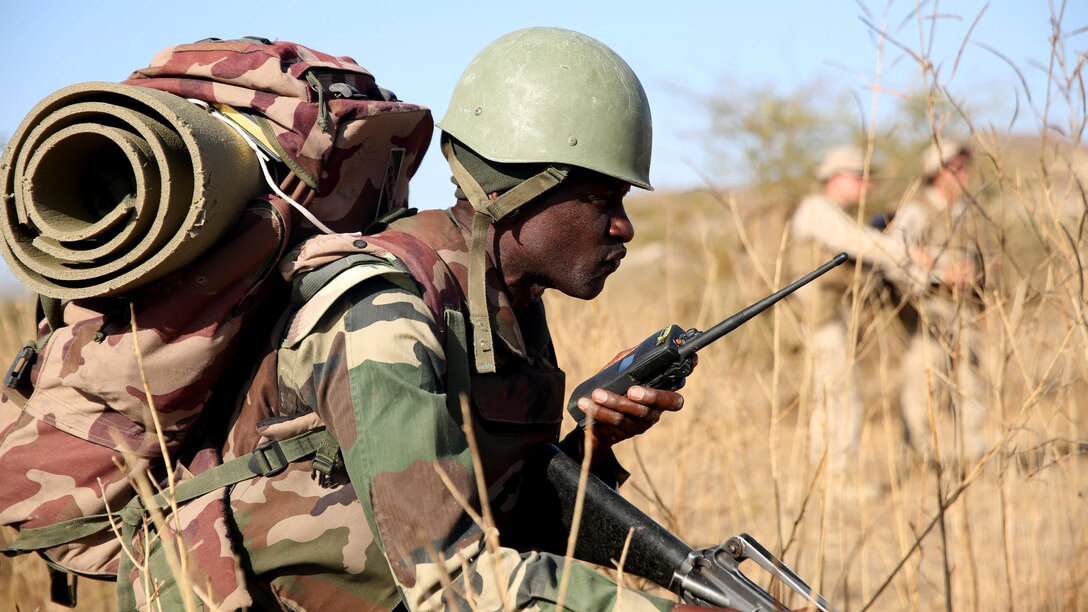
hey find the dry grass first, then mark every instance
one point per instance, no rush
(890, 533)
(734, 460)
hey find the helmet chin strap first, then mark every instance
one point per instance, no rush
(489, 211)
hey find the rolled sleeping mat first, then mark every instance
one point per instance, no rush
(109, 186)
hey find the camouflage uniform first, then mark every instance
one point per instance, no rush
(819, 229)
(944, 344)
(371, 363)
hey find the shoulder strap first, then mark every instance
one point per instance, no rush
(440, 291)
(443, 296)
(307, 285)
(267, 460)
(439, 286)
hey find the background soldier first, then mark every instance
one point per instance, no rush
(941, 367)
(824, 224)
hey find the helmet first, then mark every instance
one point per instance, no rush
(548, 97)
(554, 96)
(940, 152)
(841, 160)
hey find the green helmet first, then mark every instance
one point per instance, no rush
(548, 97)
(554, 96)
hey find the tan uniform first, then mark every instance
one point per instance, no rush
(944, 344)
(819, 229)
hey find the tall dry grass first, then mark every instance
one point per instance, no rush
(734, 459)
(890, 532)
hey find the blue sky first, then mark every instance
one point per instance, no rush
(682, 52)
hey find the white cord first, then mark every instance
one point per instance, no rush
(262, 160)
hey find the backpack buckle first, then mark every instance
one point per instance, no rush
(20, 366)
(328, 468)
(268, 459)
(344, 91)
(322, 472)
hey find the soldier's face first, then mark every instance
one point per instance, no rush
(570, 239)
(846, 188)
(955, 175)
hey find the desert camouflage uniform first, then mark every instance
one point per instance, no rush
(368, 357)
(944, 344)
(819, 229)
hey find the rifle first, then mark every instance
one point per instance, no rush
(664, 360)
(705, 577)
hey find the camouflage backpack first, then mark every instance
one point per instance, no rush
(149, 215)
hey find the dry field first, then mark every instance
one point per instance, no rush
(1014, 531)
(1012, 534)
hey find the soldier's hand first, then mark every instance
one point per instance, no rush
(959, 273)
(922, 256)
(618, 417)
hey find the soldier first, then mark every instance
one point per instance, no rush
(826, 223)
(543, 156)
(941, 367)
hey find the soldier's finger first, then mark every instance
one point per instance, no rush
(656, 398)
(617, 426)
(622, 403)
(601, 414)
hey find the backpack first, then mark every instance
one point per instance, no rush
(324, 150)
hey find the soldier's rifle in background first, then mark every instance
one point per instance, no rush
(708, 576)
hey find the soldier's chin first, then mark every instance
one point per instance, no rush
(587, 290)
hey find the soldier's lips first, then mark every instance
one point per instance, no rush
(613, 260)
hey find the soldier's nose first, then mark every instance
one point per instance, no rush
(622, 228)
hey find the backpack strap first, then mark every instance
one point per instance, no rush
(50, 310)
(307, 285)
(266, 460)
(443, 296)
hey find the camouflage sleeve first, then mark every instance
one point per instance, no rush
(909, 223)
(819, 219)
(375, 377)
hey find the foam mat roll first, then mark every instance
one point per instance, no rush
(109, 186)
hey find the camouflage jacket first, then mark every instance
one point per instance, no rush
(949, 233)
(929, 220)
(369, 359)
